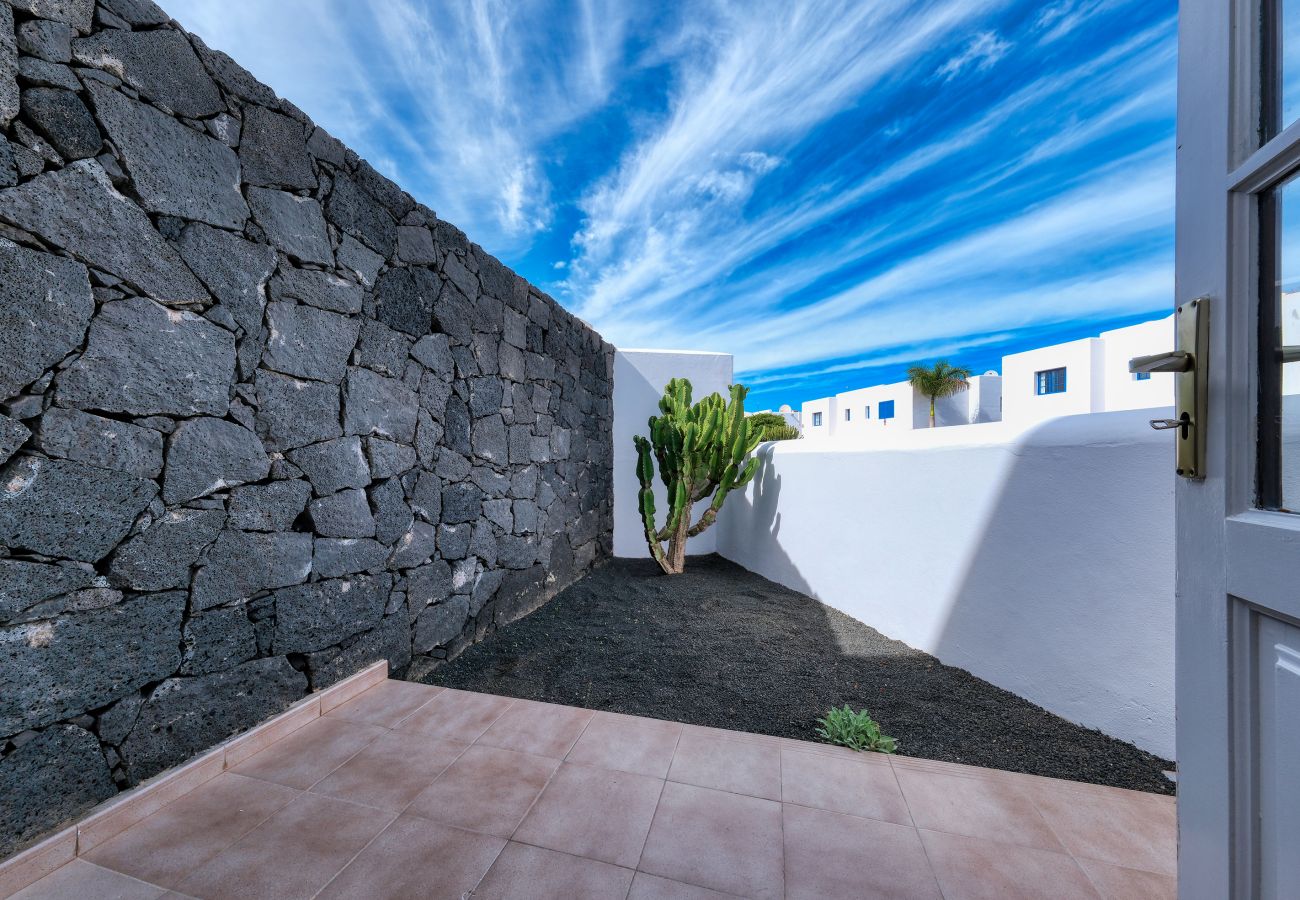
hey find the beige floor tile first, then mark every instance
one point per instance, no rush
(1117, 883)
(972, 869)
(486, 789)
(391, 770)
(986, 808)
(829, 856)
(415, 858)
(842, 785)
(1123, 828)
(597, 813)
(541, 728)
(168, 845)
(727, 842)
(539, 874)
(735, 766)
(291, 855)
(310, 753)
(457, 715)
(628, 744)
(652, 887)
(387, 703)
(80, 880)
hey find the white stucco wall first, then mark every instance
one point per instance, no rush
(1084, 362)
(808, 416)
(639, 379)
(1123, 390)
(1042, 562)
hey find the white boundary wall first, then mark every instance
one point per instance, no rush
(639, 379)
(1042, 561)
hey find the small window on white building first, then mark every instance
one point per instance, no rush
(866, 412)
(848, 415)
(1050, 381)
(817, 420)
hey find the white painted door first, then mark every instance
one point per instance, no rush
(1238, 618)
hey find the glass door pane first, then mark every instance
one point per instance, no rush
(1279, 348)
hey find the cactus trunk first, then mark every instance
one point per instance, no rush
(701, 452)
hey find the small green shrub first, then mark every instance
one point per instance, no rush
(855, 730)
(781, 433)
(772, 426)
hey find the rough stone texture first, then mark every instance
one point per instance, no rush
(243, 563)
(388, 458)
(51, 778)
(344, 515)
(176, 170)
(233, 269)
(160, 64)
(314, 616)
(206, 455)
(268, 507)
(319, 289)
(360, 215)
(186, 715)
(24, 585)
(81, 661)
(294, 224)
(160, 557)
(438, 624)
(63, 120)
(146, 360)
(78, 209)
(266, 420)
(13, 434)
(218, 640)
(292, 412)
(45, 307)
(273, 149)
(64, 508)
(72, 434)
(377, 405)
(344, 556)
(309, 342)
(333, 465)
(9, 97)
(415, 547)
(404, 299)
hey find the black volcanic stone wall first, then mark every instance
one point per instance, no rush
(266, 419)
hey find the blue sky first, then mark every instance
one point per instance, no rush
(829, 191)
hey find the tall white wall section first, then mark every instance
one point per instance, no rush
(639, 379)
(1041, 561)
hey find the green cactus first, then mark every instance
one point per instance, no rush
(701, 451)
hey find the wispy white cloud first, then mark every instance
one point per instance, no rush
(817, 187)
(981, 53)
(454, 100)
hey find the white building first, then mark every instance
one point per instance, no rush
(875, 410)
(1083, 376)
(1088, 375)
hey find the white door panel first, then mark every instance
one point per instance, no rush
(1278, 739)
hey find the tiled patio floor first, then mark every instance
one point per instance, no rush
(414, 791)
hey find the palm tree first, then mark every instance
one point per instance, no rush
(938, 380)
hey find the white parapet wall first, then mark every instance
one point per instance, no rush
(639, 379)
(1040, 560)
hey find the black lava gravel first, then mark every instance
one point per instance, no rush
(724, 647)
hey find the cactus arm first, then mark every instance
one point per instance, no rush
(700, 450)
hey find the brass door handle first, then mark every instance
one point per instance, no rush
(1174, 361)
(1188, 364)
